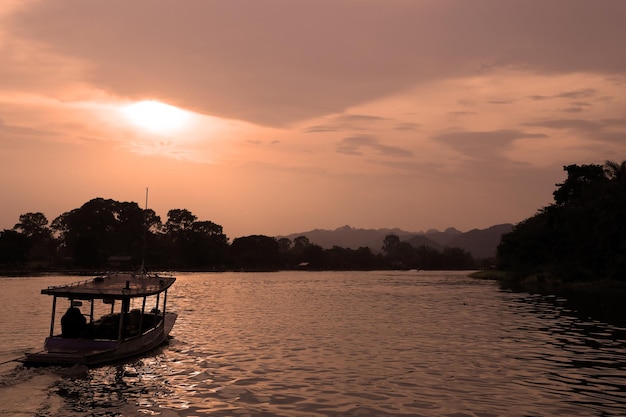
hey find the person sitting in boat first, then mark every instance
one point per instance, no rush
(72, 323)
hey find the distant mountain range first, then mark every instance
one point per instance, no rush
(481, 243)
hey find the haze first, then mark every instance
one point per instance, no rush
(278, 116)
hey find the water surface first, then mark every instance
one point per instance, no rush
(332, 344)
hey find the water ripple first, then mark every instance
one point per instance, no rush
(362, 344)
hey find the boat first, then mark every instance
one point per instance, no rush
(127, 316)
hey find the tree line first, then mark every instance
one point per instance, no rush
(107, 234)
(579, 237)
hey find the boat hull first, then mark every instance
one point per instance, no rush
(92, 352)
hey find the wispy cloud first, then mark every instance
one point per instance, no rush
(607, 130)
(479, 144)
(578, 124)
(408, 126)
(344, 122)
(355, 145)
(576, 94)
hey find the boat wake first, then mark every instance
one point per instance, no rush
(28, 392)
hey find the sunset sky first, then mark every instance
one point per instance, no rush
(280, 116)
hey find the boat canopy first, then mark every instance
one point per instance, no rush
(114, 286)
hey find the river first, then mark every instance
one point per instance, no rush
(386, 343)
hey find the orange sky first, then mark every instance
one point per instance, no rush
(295, 115)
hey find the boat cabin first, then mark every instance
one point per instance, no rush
(123, 314)
(118, 306)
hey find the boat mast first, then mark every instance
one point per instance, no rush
(145, 226)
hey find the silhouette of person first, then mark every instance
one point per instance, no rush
(72, 323)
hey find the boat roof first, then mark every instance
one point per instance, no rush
(113, 286)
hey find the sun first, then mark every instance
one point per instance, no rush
(157, 117)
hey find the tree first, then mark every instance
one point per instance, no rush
(390, 244)
(616, 174)
(33, 225)
(582, 236)
(192, 243)
(583, 182)
(399, 254)
(179, 220)
(301, 242)
(284, 244)
(209, 244)
(255, 252)
(101, 228)
(427, 257)
(14, 248)
(42, 248)
(152, 221)
(457, 258)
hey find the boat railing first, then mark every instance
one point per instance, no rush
(150, 275)
(71, 284)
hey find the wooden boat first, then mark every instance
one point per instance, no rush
(135, 320)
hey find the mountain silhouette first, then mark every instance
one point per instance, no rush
(481, 243)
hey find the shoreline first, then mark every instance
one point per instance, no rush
(603, 300)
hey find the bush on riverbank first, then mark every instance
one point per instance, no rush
(576, 247)
(580, 237)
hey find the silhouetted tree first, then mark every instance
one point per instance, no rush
(301, 242)
(255, 252)
(88, 236)
(339, 258)
(193, 244)
(179, 220)
(582, 235)
(33, 225)
(14, 249)
(583, 182)
(42, 247)
(427, 257)
(390, 244)
(457, 258)
(101, 228)
(207, 244)
(313, 256)
(284, 244)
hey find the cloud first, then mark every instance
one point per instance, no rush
(354, 145)
(277, 62)
(606, 130)
(486, 143)
(461, 113)
(408, 126)
(578, 124)
(22, 133)
(573, 110)
(345, 122)
(501, 101)
(583, 93)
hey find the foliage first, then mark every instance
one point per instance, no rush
(99, 229)
(255, 252)
(14, 248)
(108, 234)
(581, 236)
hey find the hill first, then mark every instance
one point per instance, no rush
(480, 243)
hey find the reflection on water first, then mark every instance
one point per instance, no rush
(350, 344)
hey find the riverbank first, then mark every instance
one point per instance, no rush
(602, 300)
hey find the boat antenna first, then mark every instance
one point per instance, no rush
(145, 226)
